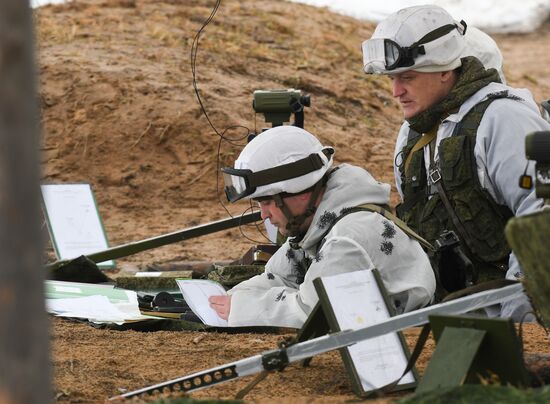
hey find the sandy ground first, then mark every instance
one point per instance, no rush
(119, 112)
(92, 364)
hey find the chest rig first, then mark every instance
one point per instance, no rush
(450, 198)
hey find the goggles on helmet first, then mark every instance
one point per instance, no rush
(240, 183)
(386, 54)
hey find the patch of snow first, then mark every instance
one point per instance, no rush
(502, 16)
(38, 3)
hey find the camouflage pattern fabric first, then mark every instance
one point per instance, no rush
(231, 275)
(482, 218)
(529, 237)
(472, 78)
(164, 281)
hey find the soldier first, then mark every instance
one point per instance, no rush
(290, 175)
(459, 153)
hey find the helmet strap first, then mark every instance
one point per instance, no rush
(295, 222)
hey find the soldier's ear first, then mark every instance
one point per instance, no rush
(447, 76)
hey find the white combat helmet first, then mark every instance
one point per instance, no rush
(484, 48)
(421, 38)
(281, 160)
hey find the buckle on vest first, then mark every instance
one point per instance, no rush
(435, 176)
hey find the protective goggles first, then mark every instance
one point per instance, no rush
(385, 54)
(240, 183)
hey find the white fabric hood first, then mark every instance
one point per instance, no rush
(348, 186)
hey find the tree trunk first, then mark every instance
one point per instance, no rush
(24, 346)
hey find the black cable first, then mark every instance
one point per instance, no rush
(251, 208)
(194, 53)
(222, 135)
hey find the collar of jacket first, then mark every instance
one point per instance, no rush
(347, 186)
(472, 78)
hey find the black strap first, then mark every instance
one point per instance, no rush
(288, 171)
(435, 34)
(294, 222)
(417, 48)
(462, 232)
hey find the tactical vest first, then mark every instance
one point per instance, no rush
(482, 218)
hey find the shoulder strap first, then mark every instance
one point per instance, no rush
(422, 141)
(471, 120)
(398, 222)
(384, 211)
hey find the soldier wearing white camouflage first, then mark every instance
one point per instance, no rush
(290, 175)
(459, 153)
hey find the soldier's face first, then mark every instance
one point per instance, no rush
(418, 91)
(297, 205)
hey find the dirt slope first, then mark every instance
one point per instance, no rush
(119, 109)
(119, 112)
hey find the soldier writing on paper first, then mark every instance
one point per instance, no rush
(289, 173)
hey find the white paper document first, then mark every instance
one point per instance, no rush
(358, 303)
(73, 221)
(196, 293)
(98, 309)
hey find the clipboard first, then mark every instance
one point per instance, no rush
(73, 221)
(354, 300)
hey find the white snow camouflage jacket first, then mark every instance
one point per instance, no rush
(284, 295)
(500, 159)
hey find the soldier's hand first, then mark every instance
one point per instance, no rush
(221, 305)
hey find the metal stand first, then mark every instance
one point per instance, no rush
(474, 350)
